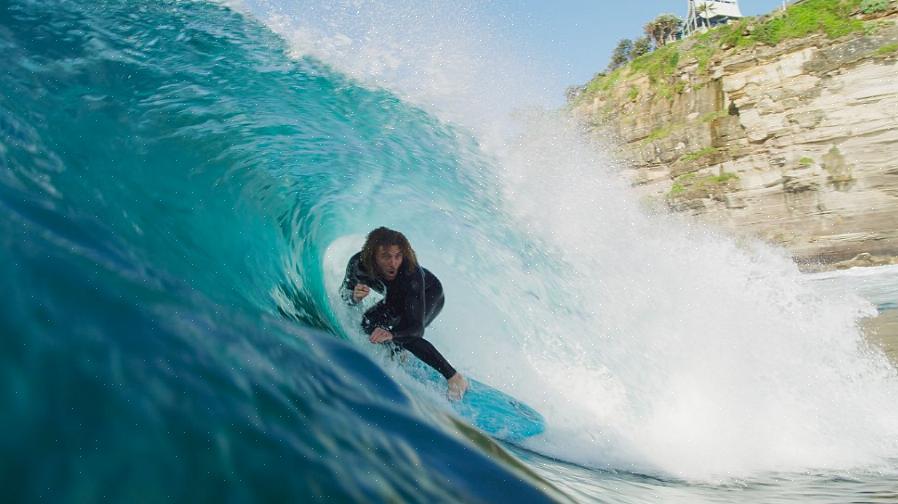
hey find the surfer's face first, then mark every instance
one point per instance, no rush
(389, 259)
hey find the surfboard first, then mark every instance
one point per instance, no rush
(498, 414)
(490, 410)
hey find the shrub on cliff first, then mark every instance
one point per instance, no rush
(872, 6)
(691, 186)
(663, 29)
(621, 53)
(641, 46)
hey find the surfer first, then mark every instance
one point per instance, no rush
(413, 297)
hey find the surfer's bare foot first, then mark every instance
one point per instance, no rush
(457, 387)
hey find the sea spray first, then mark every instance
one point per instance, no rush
(705, 357)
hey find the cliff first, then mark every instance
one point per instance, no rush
(768, 127)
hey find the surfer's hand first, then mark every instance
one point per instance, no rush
(380, 335)
(457, 387)
(360, 292)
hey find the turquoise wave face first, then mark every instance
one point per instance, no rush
(169, 183)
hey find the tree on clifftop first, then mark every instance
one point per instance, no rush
(621, 54)
(705, 11)
(642, 46)
(663, 29)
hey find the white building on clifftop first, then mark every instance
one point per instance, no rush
(703, 14)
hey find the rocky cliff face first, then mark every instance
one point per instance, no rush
(796, 143)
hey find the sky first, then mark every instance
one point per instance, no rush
(576, 37)
(508, 54)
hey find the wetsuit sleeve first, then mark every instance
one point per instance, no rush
(350, 280)
(412, 320)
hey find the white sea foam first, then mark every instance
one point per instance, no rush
(689, 352)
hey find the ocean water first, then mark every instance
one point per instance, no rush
(182, 182)
(878, 285)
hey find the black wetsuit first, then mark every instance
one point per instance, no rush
(412, 300)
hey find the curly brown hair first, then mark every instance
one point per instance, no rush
(386, 237)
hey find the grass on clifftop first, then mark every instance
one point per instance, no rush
(831, 17)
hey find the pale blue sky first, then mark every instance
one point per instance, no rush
(529, 48)
(577, 36)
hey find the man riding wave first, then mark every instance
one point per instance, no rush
(413, 297)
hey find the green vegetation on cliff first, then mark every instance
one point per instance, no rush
(835, 18)
(832, 17)
(692, 186)
(887, 49)
(696, 155)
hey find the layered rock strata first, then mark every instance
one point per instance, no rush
(797, 143)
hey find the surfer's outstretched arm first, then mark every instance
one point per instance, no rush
(355, 283)
(349, 282)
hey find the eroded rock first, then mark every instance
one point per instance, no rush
(808, 128)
